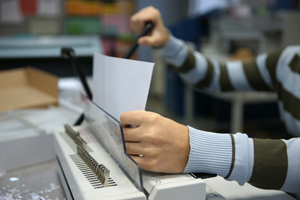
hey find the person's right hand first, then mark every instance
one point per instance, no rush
(159, 35)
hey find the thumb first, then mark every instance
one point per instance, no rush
(151, 41)
(145, 40)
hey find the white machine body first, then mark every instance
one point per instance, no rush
(80, 184)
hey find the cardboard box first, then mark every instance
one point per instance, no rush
(27, 88)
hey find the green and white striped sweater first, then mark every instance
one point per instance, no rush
(265, 163)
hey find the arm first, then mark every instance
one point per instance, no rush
(198, 70)
(264, 163)
(270, 164)
(209, 74)
(170, 147)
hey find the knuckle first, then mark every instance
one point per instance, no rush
(150, 137)
(152, 117)
(156, 13)
(133, 18)
(153, 9)
(149, 152)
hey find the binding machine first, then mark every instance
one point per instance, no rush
(93, 164)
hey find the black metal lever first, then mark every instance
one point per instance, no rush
(69, 53)
(147, 29)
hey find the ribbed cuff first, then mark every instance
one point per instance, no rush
(244, 158)
(210, 152)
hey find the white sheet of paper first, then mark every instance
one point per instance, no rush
(49, 7)
(10, 12)
(120, 85)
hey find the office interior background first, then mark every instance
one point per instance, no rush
(32, 33)
(221, 29)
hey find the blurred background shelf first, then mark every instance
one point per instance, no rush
(109, 20)
(220, 29)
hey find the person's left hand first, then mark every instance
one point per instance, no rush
(163, 143)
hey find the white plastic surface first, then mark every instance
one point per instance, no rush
(80, 187)
(173, 187)
(48, 46)
(231, 190)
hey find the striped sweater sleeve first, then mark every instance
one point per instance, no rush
(264, 163)
(267, 164)
(209, 74)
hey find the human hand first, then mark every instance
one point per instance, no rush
(164, 144)
(159, 35)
